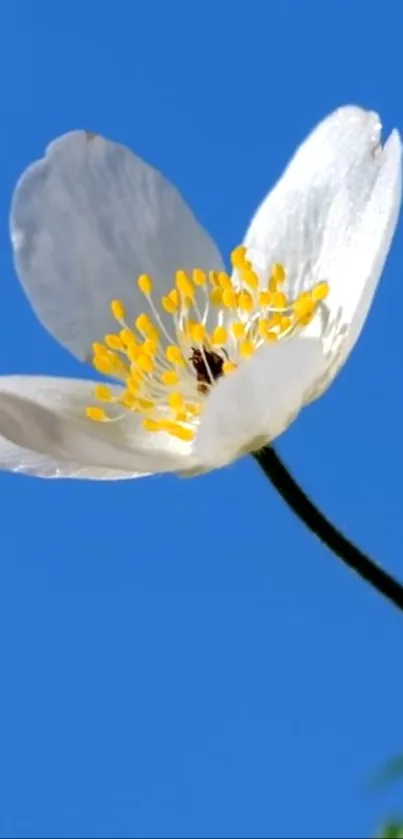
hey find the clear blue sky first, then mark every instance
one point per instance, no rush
(181, 658)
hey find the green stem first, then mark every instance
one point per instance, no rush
(304, 508)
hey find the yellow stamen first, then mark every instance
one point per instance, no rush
(229, 298)
(175, 401)
(103, 365)
(216, 296)
(238, 331)
(251, 279)
(145, 284)
(96, 414)
(219, 336)
(169, 378)
(198, 332)
(224, 281)
(183, 284)
(145, 363)
(143, 323)
(174, 355)
(199, 277)
(103, 393)
(247, 349)
(238, 256)
(114, 342)
(118, 310)
(169, 305)
(228, 367)
(245, 301)
(320, 291)
(277, 275)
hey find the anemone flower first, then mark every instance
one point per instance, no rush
(201, 365)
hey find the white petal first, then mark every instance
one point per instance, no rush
(331, 217)
(46, 416)
(255, 404)
(364, 260)
(86, 220)
(25, 462)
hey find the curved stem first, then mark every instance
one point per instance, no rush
(303, 507)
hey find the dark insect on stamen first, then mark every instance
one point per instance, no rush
(208, 365)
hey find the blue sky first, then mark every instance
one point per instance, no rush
(181, 658)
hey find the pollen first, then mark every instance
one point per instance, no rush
(166, 360)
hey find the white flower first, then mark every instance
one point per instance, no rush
(205, 366)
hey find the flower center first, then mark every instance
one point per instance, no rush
(206, 364)
(215, 323)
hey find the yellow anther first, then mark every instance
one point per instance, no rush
(174, 355)
(97, 414)
(145, 404)
(228, 367)
(265, 298)
(199, 277)
(247, 349)
(103, 393)
(214, 277)
(127, 337)
(103, 365)
(285, 324)
(219, 336)
(250, 279)
(133, 383)
(180, 431)
(229, 299)
(100, 350)
(183, 284)
(149, 347)
(304, 304)
(245, 301)
(279, 300)
(238, 331)
(169, 305)
(175, 401)
(118, 310)
(174, 296)
(145, 285)
(278, 273)
(274, 320)
(320, 291)
(264, 330)
(307, 318)
(152, 425)
(143, 323)
(224, 281)
(192, 408)
(114, 342)
(145, 363)
(198, 332)
(173, 428)
(169, 378)
(216, 296)
(128, 399)
(133, 352)
(238, 256)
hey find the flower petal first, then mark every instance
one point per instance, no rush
(26, 462)
(46, 416)
(331, 217)
(255, 404)
(364, 260)
(86, 220)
